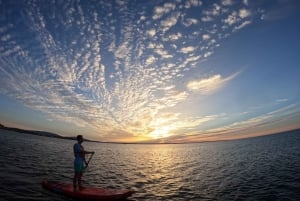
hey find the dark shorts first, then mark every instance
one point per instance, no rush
(78, 167)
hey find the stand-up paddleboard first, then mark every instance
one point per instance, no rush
(87, 193)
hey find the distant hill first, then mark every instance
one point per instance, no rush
(39, 133)
(33, 132)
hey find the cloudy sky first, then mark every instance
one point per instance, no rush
(160, 71)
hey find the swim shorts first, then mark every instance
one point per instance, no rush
(78, 167)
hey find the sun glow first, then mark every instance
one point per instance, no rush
(149, 71)
(161, 132)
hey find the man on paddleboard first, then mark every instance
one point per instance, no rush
(80, 162)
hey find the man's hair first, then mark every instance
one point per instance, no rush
(79, 137)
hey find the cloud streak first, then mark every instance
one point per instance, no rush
(114, 67)
(287, 117)
(209, 85)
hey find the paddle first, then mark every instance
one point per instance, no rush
(87, 164)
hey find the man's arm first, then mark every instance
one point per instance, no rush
(89, 152)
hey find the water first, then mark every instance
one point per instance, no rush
(264, 168)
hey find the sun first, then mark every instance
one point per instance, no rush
(161, 132)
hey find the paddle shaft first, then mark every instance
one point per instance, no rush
(87, 164)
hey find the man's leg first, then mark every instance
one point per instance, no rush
(79, 180)
(74, 180)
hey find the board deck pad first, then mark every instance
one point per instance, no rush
(90, 193)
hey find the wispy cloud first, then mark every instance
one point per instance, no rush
(113, 72)
(227, 2)
(243, 13)
(209, 85)
(281, 10)
(191, 3)
(159, 11)
(190, 21)
(187, 49)
(287, 117)
(166, 24)
(205, 36)
(262, 124)
(282, 100)
(241, 26)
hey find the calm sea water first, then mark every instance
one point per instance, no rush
(264, 168)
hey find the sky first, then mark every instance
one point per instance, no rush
(151, 71)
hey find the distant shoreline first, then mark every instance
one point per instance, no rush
(54, 135)
(39, 133)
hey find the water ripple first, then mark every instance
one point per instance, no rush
(265, 168)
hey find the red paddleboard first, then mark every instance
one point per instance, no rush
(90, 193)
